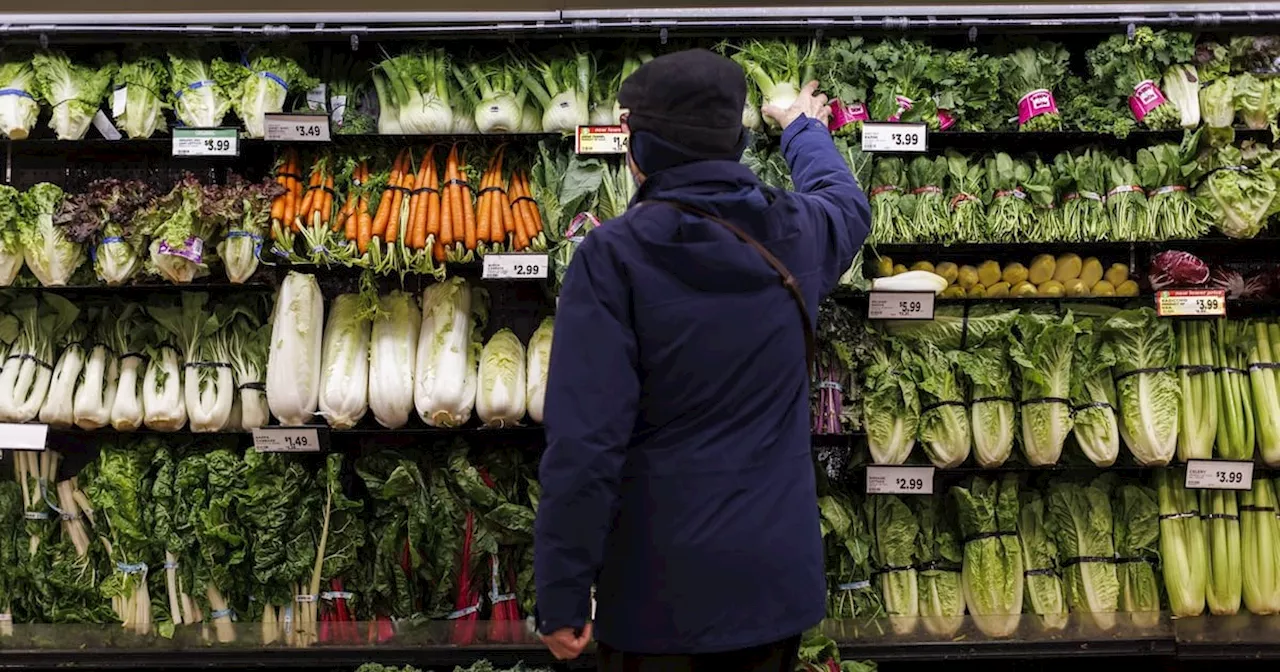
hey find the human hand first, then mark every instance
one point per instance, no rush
(565, 644)
(809, 103)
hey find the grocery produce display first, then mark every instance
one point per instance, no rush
(157, 308)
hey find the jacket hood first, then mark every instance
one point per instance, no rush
(702, 253)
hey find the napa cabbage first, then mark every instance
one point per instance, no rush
(539, 361)
(294, 361)
(393, 354)
(453, 314)
(344, 375)
(500, 391)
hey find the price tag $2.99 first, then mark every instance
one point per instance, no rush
(1219, 475)
(898, 480)
(514, 266)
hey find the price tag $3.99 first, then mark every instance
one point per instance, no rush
(894, 137)
(1219, 475)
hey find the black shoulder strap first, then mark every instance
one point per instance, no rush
(788, 279)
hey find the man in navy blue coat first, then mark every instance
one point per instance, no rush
(678, 476)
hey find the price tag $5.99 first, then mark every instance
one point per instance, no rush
(884, 305)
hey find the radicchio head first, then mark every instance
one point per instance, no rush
(1174, 268)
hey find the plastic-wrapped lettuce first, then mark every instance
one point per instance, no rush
(1093, 396)
(539, 361)
(1080, 517)
(944, 419)
(344, 377)
(890, 404)
(1043, 593)
(10, 242)
(1137, 530)
(199, 100)
(50, 255)
(500, 392)
(992, 411)
(18, 106)
(448, 349)
(1042, 347)
(893, 555)
(73, 91)
(136, 100)
(393, 355)
(939, 556)
(993, 563)
(1146, 383)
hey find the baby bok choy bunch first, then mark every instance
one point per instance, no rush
(129, 342)
(58, 408)
(200, 332)
(97, 388)
(43, 325)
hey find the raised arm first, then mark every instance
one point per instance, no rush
(841, 213)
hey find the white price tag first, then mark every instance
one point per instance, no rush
(23, 436)
(286, 440)
(898, 480)
(297, 127)
(900, 305)
(601, 140)
(118, 98)
(315, 99)
(105, 127)
(337, 108)
(1191, 303)
(206, 142)
(516, 266)
(1219, 475)
(894, 137)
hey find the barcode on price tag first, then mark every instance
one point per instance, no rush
(514, 266)
(206, 142)
(297, 127)
(601, 140)
(894, 137)
(1219, 475)
(286, 440)
(23, 436)
(1191, 303)
(900, 305)
(896, 480)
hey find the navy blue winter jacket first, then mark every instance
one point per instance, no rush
(678, 475)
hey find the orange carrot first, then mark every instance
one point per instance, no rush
(364, 232)
(521, 239)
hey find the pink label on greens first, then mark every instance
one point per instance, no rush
(1146, 97)
(192, 250)
(1036, 103)
(904, 104)
(945, 120)
(843, 115)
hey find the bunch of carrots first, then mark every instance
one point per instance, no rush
(286, 207)
(406, 219)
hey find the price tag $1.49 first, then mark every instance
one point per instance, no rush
(898, 480)
(286, 440)
(514, 266)
(1219, 475)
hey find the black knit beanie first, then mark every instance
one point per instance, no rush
(690, 100)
